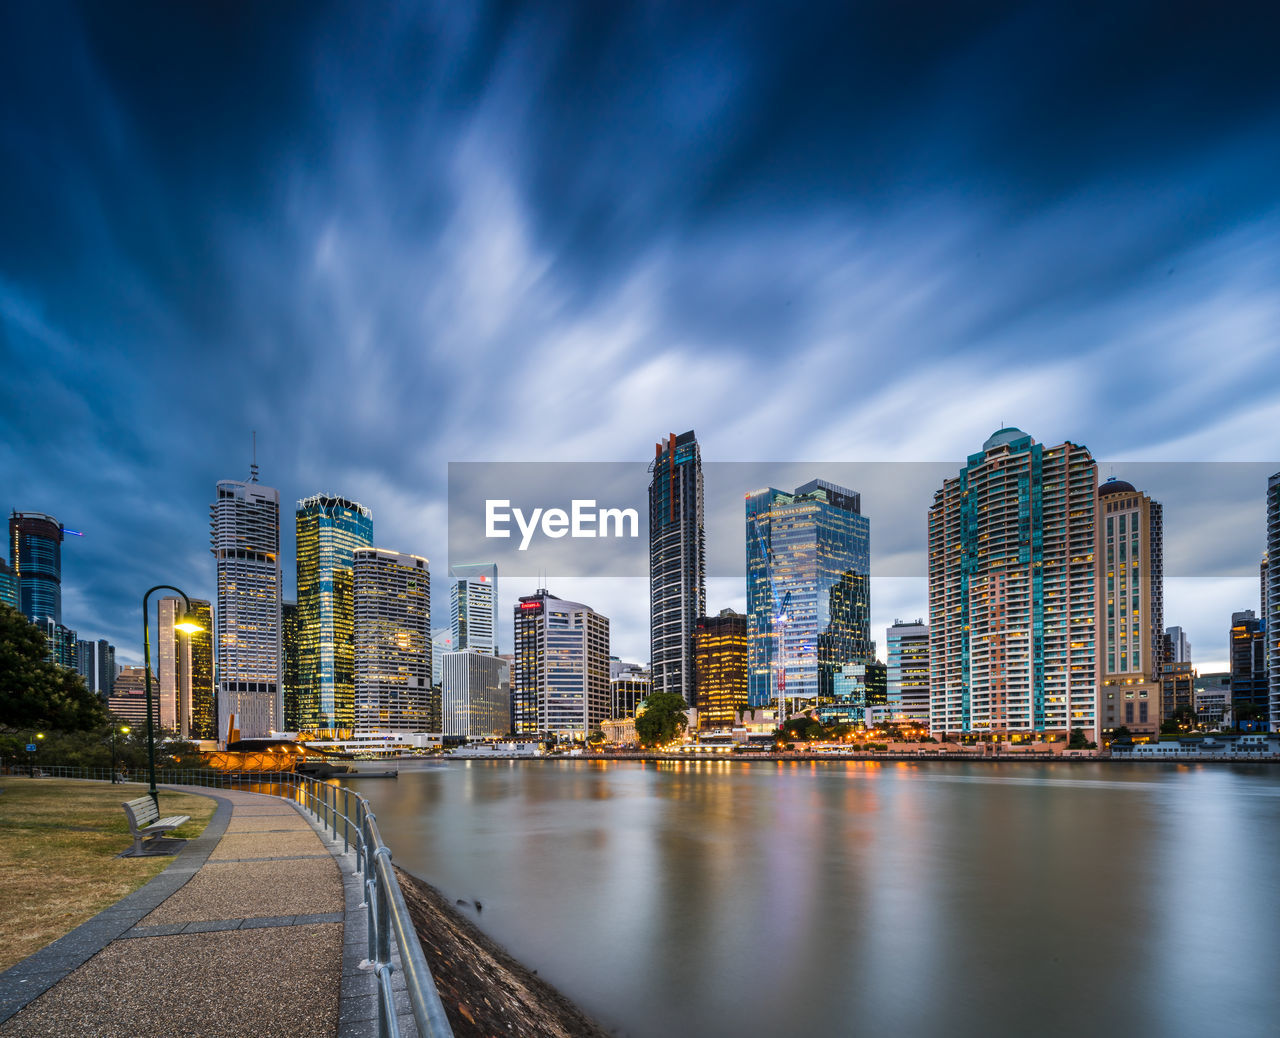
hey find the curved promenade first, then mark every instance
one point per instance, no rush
(254, 929)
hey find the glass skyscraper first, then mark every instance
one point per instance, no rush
(1271, 596)
(184, 671)
(393, 690)
(8, 585)
(720, 643)
(330, 529)
(808, 590)
(289, 641)
(677, 562)
(35, 552)
(473, 607)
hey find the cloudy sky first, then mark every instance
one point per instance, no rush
(388, 238)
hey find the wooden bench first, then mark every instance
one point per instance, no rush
(145, 821)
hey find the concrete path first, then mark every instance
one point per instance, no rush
(254, 930)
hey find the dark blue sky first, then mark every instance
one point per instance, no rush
(390, 238)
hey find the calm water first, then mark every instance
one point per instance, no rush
(931, 899)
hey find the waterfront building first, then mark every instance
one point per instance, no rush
(560, 682)
(391, 639)
(860, 695)
(9, 586)
(1177, 689)
(1271, 611)
(720, 668)
(627, 692)
(907, 673)
(184, 672)
(290, 633)
(1178, 648)
(1131, 634)
(128, 699)
(62, 642)
(808, 591)
(35, 553)
(245, 542)
(476, 695)
(1012, 594)
(441, 642)
(1212, 697)
(329, 531)
(1246, 647)
(473, 607)
(677, 562)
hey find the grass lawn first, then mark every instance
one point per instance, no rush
(58, 844)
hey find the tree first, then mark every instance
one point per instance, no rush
(1078, 740)
(595, 739)
(663, 719)
(35, 693)
(806, 729)
(1182, 720)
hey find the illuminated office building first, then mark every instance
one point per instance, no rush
(289, 633)
(128, 700)
(1131, 637)
(907, 673)
(8, 586)
(627, 691)
(1247, 646)
(476, 694)
(720, 657)
(860, 695)
(184, 672)
(1271, 606)
(35, 553)
(473, 607)
(808, 591)
(392, 642)
(677, 562)
(1013, 593)
(245, 541)
(560, 681)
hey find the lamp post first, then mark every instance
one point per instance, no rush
(186, 626)
(115, 776)
(34, 746)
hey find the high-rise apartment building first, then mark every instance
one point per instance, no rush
(1177, 646)
(1247, 645)
(329, 531)
(392, 641)
(907, 673)
(720, 658)
(475, 695)
(245, 541)
(1131, 635)
(1271, 610)
(1013, 593)
(35, 553)
(184, 671)
(473, 607)
(808, 590)
(677, 562)
(290, 632)
(560, 681)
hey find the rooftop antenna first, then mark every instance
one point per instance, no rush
(253, 468)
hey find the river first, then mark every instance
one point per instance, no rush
(946, 899)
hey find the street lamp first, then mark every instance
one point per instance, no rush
(124, 730)
(32, 747)
(185, 625)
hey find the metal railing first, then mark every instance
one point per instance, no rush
(347, 815)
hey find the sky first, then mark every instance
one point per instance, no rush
(388, 238)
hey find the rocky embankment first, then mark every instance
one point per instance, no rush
(484, 990)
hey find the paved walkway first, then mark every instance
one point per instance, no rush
(255, 929)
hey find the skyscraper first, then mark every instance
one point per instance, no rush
(62, 642)
(808, 590)
(87, 662)
(473, 607)
(441, 642)
(392, 640)
(907, 675)
(184, 671)
(35, 547)
(560, 682)
(1179, 648)
(289, 634)
(106, 668)
(1131, 636)
(720, 648)
(677, 562)
(8, 586)
(1247, 645)
(1012, 593)
(476, 694)
(1272, 609)
(330, 529)
(245, 541)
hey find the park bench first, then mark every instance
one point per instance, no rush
(145, 821)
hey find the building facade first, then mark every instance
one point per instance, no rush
(9, 586)
(1178, 646)
(245, 541)
(35, 553)
(1177, 689)
(475, 695)
(62, 642)
(1271, 610)
(720, 661)
(1013, 593)
(473, 607)
(391, 642)
(1247, 646)
(808, 591)
(627, 692)
(329, 531)
(860, 695)
(907, 673)
(677, 562)
(560, 681)
(290, 632)
(128, 700)
(184, 671)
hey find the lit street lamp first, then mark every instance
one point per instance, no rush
(31, 750)
(123, 729)
(187, 626)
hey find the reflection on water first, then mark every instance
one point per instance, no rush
(717, 898)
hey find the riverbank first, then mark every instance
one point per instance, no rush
(921, 758)
(484, 990)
